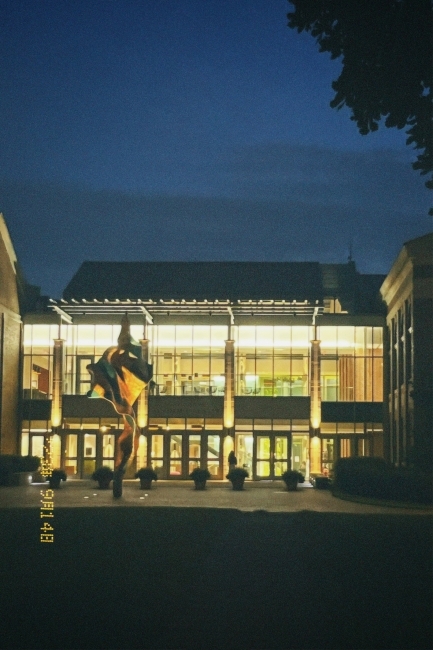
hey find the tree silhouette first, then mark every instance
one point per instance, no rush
(386, 48)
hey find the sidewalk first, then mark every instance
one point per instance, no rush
(270, 496)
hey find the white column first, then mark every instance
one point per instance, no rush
(57, 388)
(229, 390)
(143, 398)
(315, 408)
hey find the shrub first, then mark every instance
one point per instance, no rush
(58, 473)
(372, 477)
(12, 463)
(290, 475)
(28, 463)
(103, 473)
(147, 474)
(199, 474)
(237, 473)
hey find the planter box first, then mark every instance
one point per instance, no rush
(322, 482)
(21, 478)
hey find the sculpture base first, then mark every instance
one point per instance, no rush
(118, 483)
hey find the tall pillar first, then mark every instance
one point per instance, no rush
(315, 408)
(143, 398)
(229, 390)
(56, 406)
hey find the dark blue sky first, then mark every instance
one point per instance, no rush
(187, 129)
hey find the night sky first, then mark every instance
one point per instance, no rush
(187, 130)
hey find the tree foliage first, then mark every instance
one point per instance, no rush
(386, 48)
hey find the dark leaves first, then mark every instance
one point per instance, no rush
(386, 49)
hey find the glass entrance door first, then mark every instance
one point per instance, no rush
(271, 455)
(300, 454)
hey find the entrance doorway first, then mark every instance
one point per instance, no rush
(175, 454)
(271, 455)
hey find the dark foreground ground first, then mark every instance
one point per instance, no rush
(181, 578)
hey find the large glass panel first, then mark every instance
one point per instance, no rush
(108, 444)
(264, 372)
(142, 452)
(24, 443)
(85, 339)
(89, 445)
(83, 375)
(175, 455)
(71, 453)
(360, 341)
(327, 456)
(280, 455)
(55, 450)
(244, 451)
(89, 466)
(213, 454)
(329, 380)
(301, 337)
(263, 447)
(300, 454)
(282, 338)
(105, 336)
(194, 450)
(157, 452)
(328, 340)
(263, 465)
(37, 446)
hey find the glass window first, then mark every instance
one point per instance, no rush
(327, 455)
(24, 443)
(175, 455)
(108, 445)
(55, 449)
(105, 337)
(213, 454)
(244, 451)
(328, 340)
(142, 452)
(90, 445)
(37, 446)
(71, 454)
(85, 339)
(194, 451)
(157, 452)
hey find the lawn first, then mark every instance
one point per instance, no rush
(126, 578)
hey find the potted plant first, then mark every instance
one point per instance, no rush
(57, 475)
(237, 477)
(291, 478)
(104, 476)
(146, 476)
(200, 476)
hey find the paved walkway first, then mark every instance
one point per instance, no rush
(270, 496)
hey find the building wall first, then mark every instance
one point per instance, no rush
(408, 293)
(272, 402)
(10, 345)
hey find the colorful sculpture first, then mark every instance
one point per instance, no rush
(119, 377)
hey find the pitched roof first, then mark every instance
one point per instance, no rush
(196, 280)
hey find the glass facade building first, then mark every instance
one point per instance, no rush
(232, 370)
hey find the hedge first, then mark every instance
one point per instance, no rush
(373, 477)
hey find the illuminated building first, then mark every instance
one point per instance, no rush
(10, 344)
(282, 362)
(408, 293)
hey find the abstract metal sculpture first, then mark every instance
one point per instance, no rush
(119, 377)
